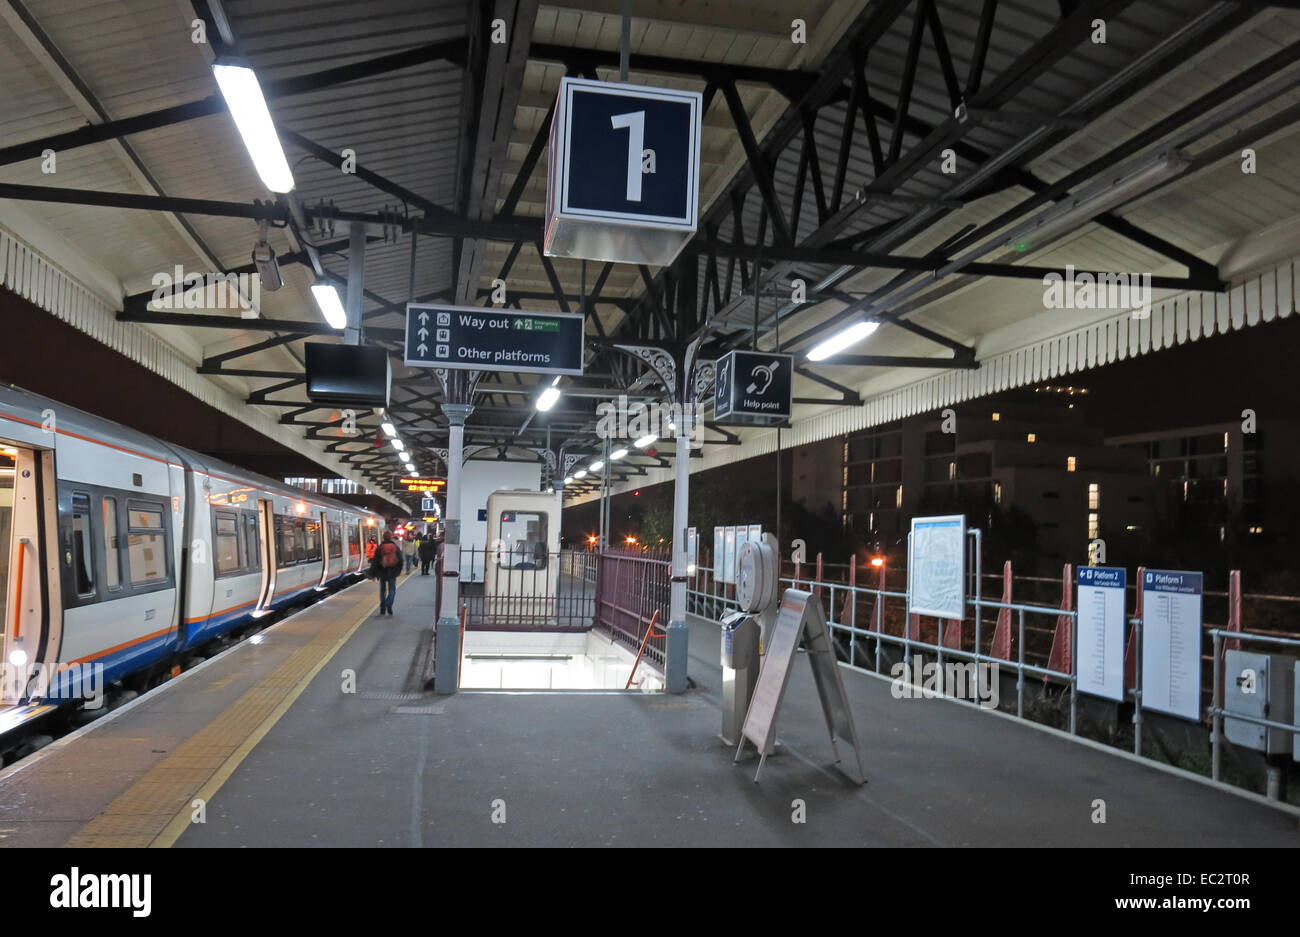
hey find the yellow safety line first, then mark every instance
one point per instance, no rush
(157, 808)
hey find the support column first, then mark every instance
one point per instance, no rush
(356, 282)
(447, 635)
(677, 642)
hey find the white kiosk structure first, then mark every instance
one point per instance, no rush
(522, 569)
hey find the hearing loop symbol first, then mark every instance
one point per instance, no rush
(762, 376)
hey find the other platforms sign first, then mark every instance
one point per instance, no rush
(473, 338)
(753, 386)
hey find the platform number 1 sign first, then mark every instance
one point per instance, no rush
(623, 180)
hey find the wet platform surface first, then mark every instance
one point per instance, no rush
(268, 737)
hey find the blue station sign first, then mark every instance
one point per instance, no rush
(474, 338)
(753, 387)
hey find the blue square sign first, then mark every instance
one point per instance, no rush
(623, 180)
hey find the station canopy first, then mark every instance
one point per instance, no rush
(920, 165)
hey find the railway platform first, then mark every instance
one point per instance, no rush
(316, 732)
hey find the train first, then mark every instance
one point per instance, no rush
(123, 556)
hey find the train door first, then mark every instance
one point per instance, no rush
(266, 530)
(326, 548)
(24, 475)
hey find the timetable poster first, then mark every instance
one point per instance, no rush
(1100, 659)
(1171, 642)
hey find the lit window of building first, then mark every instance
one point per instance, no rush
(898, 497)
(1094, 497)
(1070, 463)
(996, 417)
(1094, 525)
(952, 471)
(997, 492)
(1033, 437)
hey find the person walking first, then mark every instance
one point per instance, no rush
(428, 550)
(409, 546)
(386, 566)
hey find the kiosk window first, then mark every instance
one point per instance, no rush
(523, 540)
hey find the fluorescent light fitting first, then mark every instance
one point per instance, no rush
(389, 430)
(569, 480)
(331, 307)
(548, 398)
(580, 473)
(597, 466)
(243, 94)
(645, 441)
(1093, 200)
(617, 454)
(842, 340)
(399, 445)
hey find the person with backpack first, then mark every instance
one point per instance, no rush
(385, 567)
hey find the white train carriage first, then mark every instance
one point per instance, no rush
(119, 551)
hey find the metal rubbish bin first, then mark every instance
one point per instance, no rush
(740, 661)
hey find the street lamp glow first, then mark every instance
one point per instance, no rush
(331, 307)
(243, 94)
(842, 340)
(645, 441)
(548, 398)
(617, 454)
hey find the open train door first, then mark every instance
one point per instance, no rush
(266, 532)
(28, 574)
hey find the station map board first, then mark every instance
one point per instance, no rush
(1100, 660)
(1171, 642)
(800, 616)
(936, 567)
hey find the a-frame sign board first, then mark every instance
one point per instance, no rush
(800, 616)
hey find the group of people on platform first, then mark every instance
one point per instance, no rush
(389, 559)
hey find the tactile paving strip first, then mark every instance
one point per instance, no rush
(165, 793)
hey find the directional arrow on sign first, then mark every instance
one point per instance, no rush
(422, 348)
(424, 317)
(423, 333)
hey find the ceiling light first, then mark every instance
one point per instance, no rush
(842, 340)
(331, 307)
(399, 445)
(645, 441)
(580, 473)
(389, 430)
(597, 466)
(243, 94)
(548, 398)
(569, 480)
(617, 454)
(1092, 200)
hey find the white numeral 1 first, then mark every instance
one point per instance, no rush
(635, 124)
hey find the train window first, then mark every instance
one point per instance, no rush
(146, 544)
(225, 543)
(112, 546)
(250, 538)
(83, 566)
(354, 540)
(336, 540)
(288, 547)
(523, 540)
(310, 540)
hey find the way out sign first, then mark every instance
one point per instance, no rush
(474, 338)
(624, 172)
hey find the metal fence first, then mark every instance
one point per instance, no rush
(632, 585)
(866, 610)
(526, 590)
